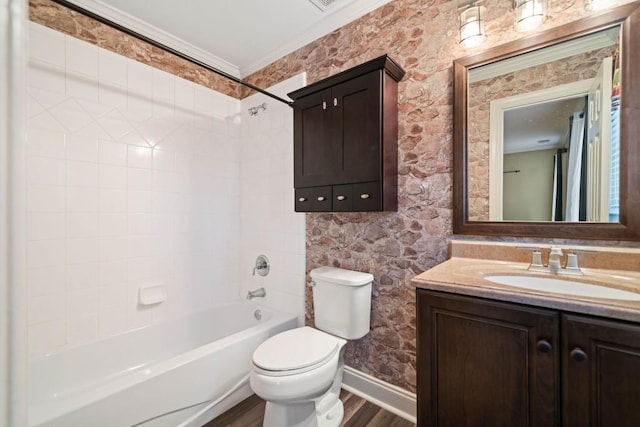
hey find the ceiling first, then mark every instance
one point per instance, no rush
(541, 126)
(236, 36)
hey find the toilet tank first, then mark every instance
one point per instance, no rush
(342, 301)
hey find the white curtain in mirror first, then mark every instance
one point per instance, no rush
(574, 171)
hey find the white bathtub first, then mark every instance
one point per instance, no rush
(143, 374)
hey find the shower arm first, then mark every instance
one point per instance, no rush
(166, 48)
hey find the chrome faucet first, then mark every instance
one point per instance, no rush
(555, 255)
(260, 292)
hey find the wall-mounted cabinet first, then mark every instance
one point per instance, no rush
(346, 140)
(489, 363)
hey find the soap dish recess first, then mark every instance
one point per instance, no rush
(150, 295)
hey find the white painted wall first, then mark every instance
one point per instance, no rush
(269, 224)
(133, 180)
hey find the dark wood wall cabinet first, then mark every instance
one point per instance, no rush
(346, 140)
(488, 363)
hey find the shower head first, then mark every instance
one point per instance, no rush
(253, 111)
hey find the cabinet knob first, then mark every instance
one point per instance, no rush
(544, 346)
(365, 196)
(321, 198)
(324, 105)
(341, 198)
(578, 354)
(335, 102)
(302, 199)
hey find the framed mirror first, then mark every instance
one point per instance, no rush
(547, 133)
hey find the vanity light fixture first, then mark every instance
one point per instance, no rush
(472, 26)
(530, 14)
(599, 4)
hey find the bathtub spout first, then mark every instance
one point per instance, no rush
(260, 292)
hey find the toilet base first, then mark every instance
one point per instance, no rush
(302, 414)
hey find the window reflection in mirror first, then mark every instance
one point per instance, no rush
(543, 142)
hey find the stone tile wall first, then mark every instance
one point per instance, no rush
(422, 36)
(52, 15)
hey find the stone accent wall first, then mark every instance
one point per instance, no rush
(544, 76)
(422, 36)
(52, 15)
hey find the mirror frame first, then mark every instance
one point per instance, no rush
(628, 17)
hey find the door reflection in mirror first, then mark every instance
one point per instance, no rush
(521, 112)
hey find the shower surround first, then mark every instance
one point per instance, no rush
(135, 179)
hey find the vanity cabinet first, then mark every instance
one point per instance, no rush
(345, 140)
(489, 363)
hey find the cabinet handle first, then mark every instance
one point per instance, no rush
(544, 346)
(324, 105)
(335, 102)
(321, 198)
(341, 198)
(578, 354)
(302, 199)
(365, 196)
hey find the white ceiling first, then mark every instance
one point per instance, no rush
(236, 36)
(540, 126)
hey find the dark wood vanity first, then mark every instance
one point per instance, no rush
(499, 356)
(491, 363)
(346, 140)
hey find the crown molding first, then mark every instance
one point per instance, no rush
(337, 17)
(157, 34)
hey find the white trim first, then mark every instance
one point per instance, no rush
(387, 396)
(548, 54)
(157, 34)
(338, 18)
(13, 284)
(496, 131)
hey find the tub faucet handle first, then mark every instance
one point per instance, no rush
(261, 266)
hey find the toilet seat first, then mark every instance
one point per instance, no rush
(295, 351)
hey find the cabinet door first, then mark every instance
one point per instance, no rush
(315, 153)
(485, 363)
(601, 379)
(356, 110)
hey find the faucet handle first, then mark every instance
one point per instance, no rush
(536, 256)
(572, 266)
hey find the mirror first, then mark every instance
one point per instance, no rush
(546, 133)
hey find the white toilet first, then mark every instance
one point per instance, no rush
(299, 371)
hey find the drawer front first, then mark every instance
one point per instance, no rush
(313, 199)
(366, 197)
(362, 197)
(343, 198)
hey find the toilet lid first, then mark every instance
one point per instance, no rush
(295, 349)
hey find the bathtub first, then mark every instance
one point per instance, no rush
(148, 376)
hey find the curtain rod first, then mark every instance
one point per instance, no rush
(154, 43)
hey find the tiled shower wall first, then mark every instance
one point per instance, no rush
(133, 181)
(269, 224)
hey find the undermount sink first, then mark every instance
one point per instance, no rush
(564, 287)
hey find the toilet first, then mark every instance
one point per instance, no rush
(299, 372)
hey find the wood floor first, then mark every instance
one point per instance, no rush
(357, 413)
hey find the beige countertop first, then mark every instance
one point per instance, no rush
(465, 275)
